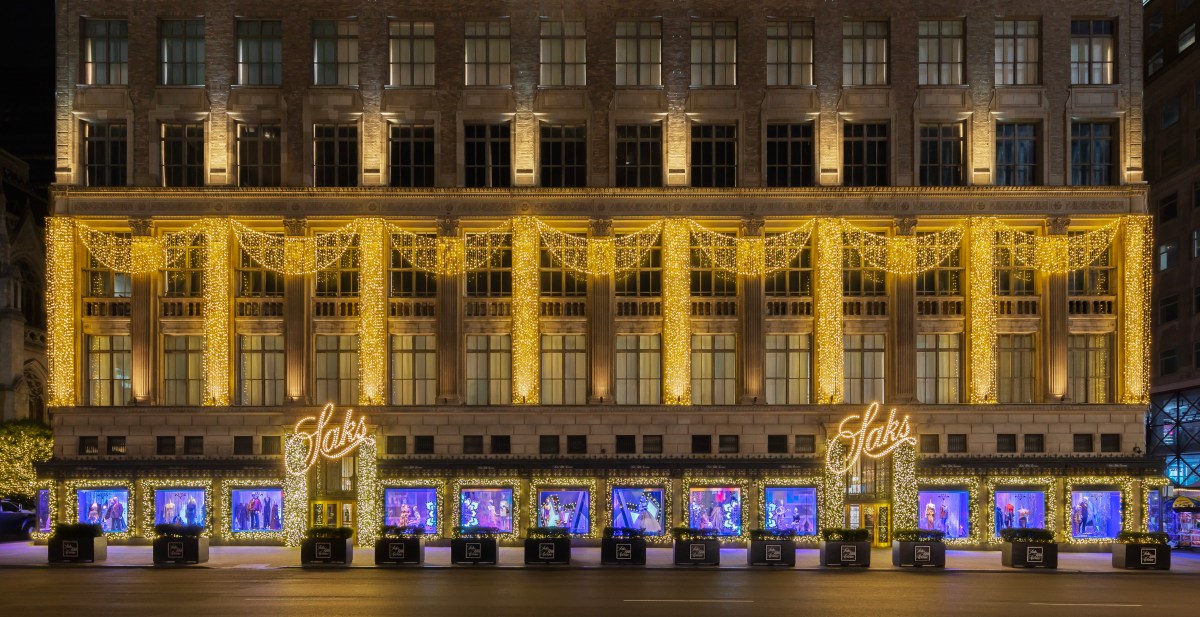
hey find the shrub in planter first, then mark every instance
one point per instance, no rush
(400, 546)
(918, 548)
(696, 547)
(475, 546)
(772, 547)
(547, 546)
(623, 546)
(1028, 548)
(179, 544)
(845, 547)
(327, 546)
(1138, 550)
(78, 543)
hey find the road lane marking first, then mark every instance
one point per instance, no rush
(1084, 604)
(699, 601)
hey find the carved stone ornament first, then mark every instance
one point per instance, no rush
(905, 225)
(752, 226)
(601, 228)
(141, 226)
(294, 227)
(449, 227)
(1059, 225)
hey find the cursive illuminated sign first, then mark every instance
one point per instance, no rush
(323, 439)
(863, 439)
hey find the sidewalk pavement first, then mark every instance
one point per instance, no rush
(28, 555)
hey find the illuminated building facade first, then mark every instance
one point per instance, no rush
(594, 247)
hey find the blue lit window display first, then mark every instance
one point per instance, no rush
(180, 506)
(570, 508)
(42, 508)
(411, 507)
(947, 511)
(717, 509)
(639, 508)
(790, 508)
(1020, 509)
(486, 507)
(106, 507)
(1095, 514)
(256, 509)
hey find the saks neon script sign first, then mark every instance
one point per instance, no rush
(862, 439)
(321, 438)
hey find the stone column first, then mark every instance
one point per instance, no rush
(142, 323)
(750, 313)
(904, 357)
(601, 328)
(450, 342)
(1056, 332)
(297, 323)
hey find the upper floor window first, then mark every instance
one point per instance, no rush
(639, 369)
(940, 52)
(343, 277)
(714, 369)
(335, 53)
(1168, 255)
(938, 374)
(864, 53)
(789, 53)
(260, 52)
(942, 147)
(411, 155)
(858, 277)
(414, 369)
(489, 369)
(793, 281)
(182, 52)
(487, 51)
(1013, 278)
(109, 370)
(255, 281)
(260, 155)
(564, 369)
(944, 279)
(1017, 154)
(184, 275)
(1092, 153)
(262, 370)
(104, 282)
(564, 53)
(639, 53)
(335, 155)
(707, 279)
(787, 373)
(336, 369)
(183, 370)
(1018, 52)
(183, 154)
(563, 155)
(1093, 51)
(1089, 368)
(556, 279)
(1096, 279)
(406, 279)
(790, 154)
(638, 155)
(105, 52)
(1187, 38)
(865, 150)
(714, 155)
(1154, 63)
(646, 279)
(864, 379)
(107, 151)
(487, 155)
(714, 53)
(1015, 363)
(494, 278)
(411, 47)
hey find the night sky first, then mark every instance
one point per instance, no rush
(27, 86)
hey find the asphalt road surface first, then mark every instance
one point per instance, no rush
(584, 593)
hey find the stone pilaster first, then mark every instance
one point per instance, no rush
(450, 341)
(904, 315)
(750, 319)
(142, 324)
(1056, 332)
(298, 324)
(601, 327)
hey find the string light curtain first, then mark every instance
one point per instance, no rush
(60, 310)
(139, 254)
(296, 255)
(832, 508)
(218, 311)
(677, 309)
(827, 320)
(1139, 240)
(526, 360)
(369, 492)
(902, 255)
(1059, 253)
(372, 310)
(904, 486)
(981, 285)
(295, 492)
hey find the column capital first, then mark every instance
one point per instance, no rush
(753, 226)
(1058, 225)
(141, 226)
(449, 227)
(295, 227)
(906, 225)
(601, 227)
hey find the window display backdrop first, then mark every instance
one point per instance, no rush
(639, 508)
(570, 508)
(415, 506)
(716, 508)
(256, 509)
(790, 508)
(180, 506)
(107, 507)
(1095, 513)
(945, 510)
(1019, 509)
(486, 507)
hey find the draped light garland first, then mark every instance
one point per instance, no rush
(137, 254)
(372, 307)
(751, 256)
(60, 310)
(296, 255)
(1045, 483)
(1135, 318)
(981, 303)
(599, 256)
(677, 312)
(218, 312)
(827, 324)
(526, 304)
(903, 255)
(1058, 253)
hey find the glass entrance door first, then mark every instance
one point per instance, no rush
(331, 514)
(876, 518)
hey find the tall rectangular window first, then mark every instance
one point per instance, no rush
(107, 151)
(411, 155)
(865, 150)
(1092, 153)
(563, 53)
(714, 53)
(639, 369)
(563, 155)
(181, 52)
(794, 281)
(789, 53)
(1095, 279)
(487, 156)
(1017, 154)
(1093, 51)
(489, 369)
(414, 369)
(184, 275)
(411, 47)
(183, 154)
(790, 154)
(255, 281)
(1015, 356)
(405, 278)
(645, 280)
(342, 278)
(942, 148)
(260, 155)
(940, 53)
(183, 370)
(944, 279)
(493, 279)
(788, 369)
(714, 369)
(336, 367)
(335, 52)
(109, 370)
(105, 52)
(639, 156)
(488, 62)
(1089, 368)
(564, 369)
(260, 52)
(864, 53)
(556, 279)
(709, 280)
(1018, 52)
(858, 277)
(103, 282)
(863, 365)
(639, 53)
(262, 370)
(938, 374)
(714, 155)
(335, 155)
(1014, 277)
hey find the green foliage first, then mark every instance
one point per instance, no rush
(918, 535)
(78, 530)
(1142, 537)
(167, 530)
(684, 534)
(1028, 536)
(23, 444)
(540, 533)
(394, 532)
(836, 534)
(623, 532)
(477, 532)
(330, 533)
(772, 534)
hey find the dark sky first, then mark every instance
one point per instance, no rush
(27, 83)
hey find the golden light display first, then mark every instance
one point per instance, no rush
(51, 489)
(230, 484)
(827, 320)
(218, 312)
(61, 310)
(295, 494)
(296, 255)
(903, 255)
(760, 492)
(540, 484)
(526, 306)
(73, 487)
(461, 484)
(1135, 317)
(369, 493)
(904, 486)
(870, 439)
(137, 254)
(834, 484)
(981, 303)
(1045, 483)
(148, 488)
(644, 482)
(677, 312)
(599, 256)
(326, 440)
(1151, 486)
(439, 510)
(1058, 253)
(751, 256)
(1124, 483)
(373, 308)
(716, 482)
(972, 484)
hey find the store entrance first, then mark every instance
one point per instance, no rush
(876, 518)
(326, 513)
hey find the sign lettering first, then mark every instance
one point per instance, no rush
(324, 440)
(863, 439)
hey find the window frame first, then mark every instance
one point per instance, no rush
(792, 37)
(495, 68)
(267, 61)
(190, 69)
(862, 60)
(645, 40)
(712, 64)
(339, 143)
(114, 66)
(421, 49)
(862, 146)
(336, 57)
(1010, 68)
(945, 73)
(562, 58)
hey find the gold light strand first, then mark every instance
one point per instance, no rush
(218, 312)
(295, 492)
(1135, 321)
(138, 254)
(1124, 483)
(372, 307)
(60, 310)
(832, 514)
(827, 320)
(51, 489)
(295, 255)
(903, 255)
(1048, 484)
(904, 486)
(526, 303)
(981, 276)
(553, 483)
(1058, 253)
(1149, 486)
(599, 256)
(148, 488)
(677, 309)
(369, 506)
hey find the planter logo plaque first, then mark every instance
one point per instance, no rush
(396, 550)
(624, 551)
(696, 552)
(863, 440)
(774, 552)
(324, 550)
(849, 553)
(1034, 554)
(922, 552)
(70, 548)
(1149, 556)
(324, 440)
(546, 550)
(174, 550)
(474, 550)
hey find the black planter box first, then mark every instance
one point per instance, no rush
(400, 551)
(474, 551)
(857, 554)
(547, 551)
(180, 551)
(1141, 556)
(331, 552)
(623, 551)
(702, 552)
(1029, 555)
(776, 552)
(919, 554)
(77, 549)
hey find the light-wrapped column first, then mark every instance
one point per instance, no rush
(677, 312)
(904, 486)
(295, 491)
(369, 492)
(833, 497)
(525, 308)
(827, 316)
(1135, 320)
(218, 311)
(60, 310)
(372, 313)
(751, 262)
(981, 325)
